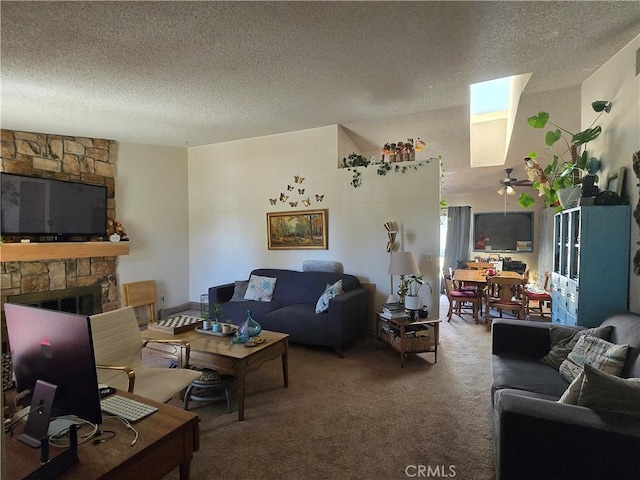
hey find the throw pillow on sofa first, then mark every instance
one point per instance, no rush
(607, 392)
(239, 290)
(260, 288)
(601, 391)
(563, 339)
(331, 291)
(605, 356)
(571, 394)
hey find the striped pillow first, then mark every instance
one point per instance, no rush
(605, 356)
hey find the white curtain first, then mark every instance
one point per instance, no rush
(458, 236)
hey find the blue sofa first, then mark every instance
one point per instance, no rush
(535, 436)
(292, 308)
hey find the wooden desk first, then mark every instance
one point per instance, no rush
(167, 439)
(217, 353)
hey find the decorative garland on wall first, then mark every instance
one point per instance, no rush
(392, 153)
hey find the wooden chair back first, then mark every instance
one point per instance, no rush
(539, 299)
(142, 296)
(505, 293)
(460, 300)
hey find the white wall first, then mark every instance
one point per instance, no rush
(229, 189)
(616, 81)
(151, 203)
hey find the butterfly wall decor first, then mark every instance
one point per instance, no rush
(301, 191)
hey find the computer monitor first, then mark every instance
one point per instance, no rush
(55, 347)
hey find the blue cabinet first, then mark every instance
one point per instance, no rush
(590, 277)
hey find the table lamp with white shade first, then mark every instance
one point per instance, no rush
(403, 263)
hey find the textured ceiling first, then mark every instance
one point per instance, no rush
(196, 73)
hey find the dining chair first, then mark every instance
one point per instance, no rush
(117, 346)
(460, 300)
(504, 293)
(142, 296)
(540, 298)
(461, 285)
(479, 265)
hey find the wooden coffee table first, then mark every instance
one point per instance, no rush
(218, 353)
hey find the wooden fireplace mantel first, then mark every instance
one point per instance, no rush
(28, 252)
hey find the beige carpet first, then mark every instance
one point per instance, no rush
(360, 417)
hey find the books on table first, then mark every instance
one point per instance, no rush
(389, 315)
(393, 310)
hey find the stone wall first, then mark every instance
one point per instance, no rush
(78, 159)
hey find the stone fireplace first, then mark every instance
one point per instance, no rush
(59, 279)
(85, 265)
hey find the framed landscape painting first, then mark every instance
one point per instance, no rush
(303, 230)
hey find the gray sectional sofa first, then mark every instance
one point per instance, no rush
(535, 436)
(292, 308)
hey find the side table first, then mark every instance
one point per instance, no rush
(403, 344)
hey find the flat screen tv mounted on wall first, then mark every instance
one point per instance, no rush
(45, 207)
(503, 232)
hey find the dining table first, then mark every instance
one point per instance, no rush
(478, 278)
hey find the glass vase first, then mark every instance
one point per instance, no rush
(250, 328)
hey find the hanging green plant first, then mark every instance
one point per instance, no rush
(400, 150)
(352, 162)
(567, 167)
(385, 168)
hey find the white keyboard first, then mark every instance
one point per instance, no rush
(127, 408)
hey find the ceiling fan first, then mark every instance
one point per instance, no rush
(507, 183)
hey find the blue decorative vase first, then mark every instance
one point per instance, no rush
(250, 328)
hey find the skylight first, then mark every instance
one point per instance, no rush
(493, 106)
(490, 96)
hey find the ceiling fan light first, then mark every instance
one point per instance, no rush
(511, 190)
(501, 191)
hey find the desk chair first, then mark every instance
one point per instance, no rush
(541, 298)
(117, 345)
(504, 293)
(460, 300)
(142, 296)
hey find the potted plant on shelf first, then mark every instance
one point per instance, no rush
(412, 301)
(206, 323)
(562, 173)
(216, 308)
